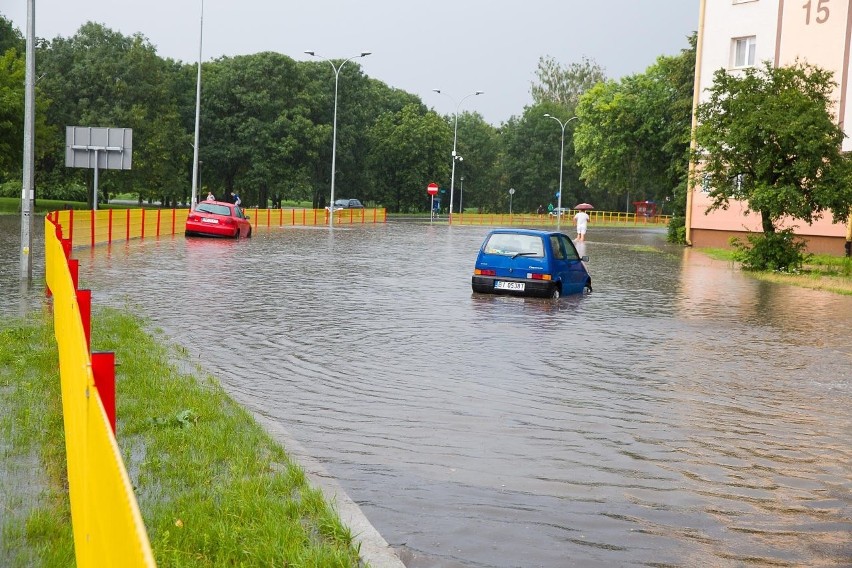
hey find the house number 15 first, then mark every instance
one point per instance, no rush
(821, 8)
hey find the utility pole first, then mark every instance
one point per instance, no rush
(27, 192)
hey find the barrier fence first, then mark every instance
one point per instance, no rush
(595, 218)
(106, 523)
(90, 228)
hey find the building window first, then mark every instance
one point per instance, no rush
(744, 51)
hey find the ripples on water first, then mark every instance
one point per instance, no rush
(683, 414)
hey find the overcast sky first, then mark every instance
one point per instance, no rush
(459, 46)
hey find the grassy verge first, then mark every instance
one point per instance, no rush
(214, 489)
(822, 272)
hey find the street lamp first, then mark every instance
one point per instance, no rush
(455, 139)
(195, 161)
(561, 156)
(334, 128)
(511, 193)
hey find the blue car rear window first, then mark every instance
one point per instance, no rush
(511, 244)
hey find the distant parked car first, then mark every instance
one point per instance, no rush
(560, 211)
(218, 219)
(347, 204)
(527, 262)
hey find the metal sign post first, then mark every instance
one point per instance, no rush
(98, 148)
(27, 192)
(432, 190)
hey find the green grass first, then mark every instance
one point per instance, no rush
(821, 272)
(35, 527)
(213, 487)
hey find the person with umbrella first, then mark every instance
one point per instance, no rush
(581, 220)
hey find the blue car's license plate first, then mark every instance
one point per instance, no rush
(500, 285)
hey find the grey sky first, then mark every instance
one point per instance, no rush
(459, 46)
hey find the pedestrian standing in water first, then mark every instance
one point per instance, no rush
(581, 219)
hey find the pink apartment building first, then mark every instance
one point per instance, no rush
(736, 34)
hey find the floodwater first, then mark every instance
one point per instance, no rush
(684, 414)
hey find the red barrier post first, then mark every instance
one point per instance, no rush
(74, 269)
(103, 370)
(128, 224)
(109, 229)
(84, 300)
(71, 226)
(159, 216)
(142, 236)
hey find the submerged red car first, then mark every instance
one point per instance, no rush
(218, 219)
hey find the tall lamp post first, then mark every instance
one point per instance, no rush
(336, 69)
(194, 200)
(27, 185)
(455, 139)
(461, 196)
(561, 156)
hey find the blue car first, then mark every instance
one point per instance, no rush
(527, 262)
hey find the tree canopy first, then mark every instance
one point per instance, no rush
(767, 137)
(633, 134)
(267, 124)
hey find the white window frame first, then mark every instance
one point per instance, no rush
(743, 52)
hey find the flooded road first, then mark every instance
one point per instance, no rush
(682, 415)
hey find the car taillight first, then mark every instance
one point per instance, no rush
(538, 276)
(229, 221)
(193, 217)
(485, 272)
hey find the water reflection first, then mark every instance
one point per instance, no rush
(682, 414)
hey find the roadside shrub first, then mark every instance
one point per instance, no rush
(677, 230)
(10, 189)
(780, 251)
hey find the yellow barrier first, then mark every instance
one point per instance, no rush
(107, 525)
(534, 219)
(90, 228)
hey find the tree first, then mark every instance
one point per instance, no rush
(767, 137)
(633, 135)
(101, 78)
(564, 86)
(532, 145)
(408, 150)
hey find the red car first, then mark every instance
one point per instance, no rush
(218, 219)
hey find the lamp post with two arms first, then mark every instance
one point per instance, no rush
(336, 69)
(455, 139)
(561, 156)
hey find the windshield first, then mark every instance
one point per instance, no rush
(213, 208)
(513, 244)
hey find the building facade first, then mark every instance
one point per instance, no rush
(737, 34)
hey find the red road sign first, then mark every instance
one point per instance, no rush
(432, 189)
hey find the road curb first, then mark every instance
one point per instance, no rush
(374, 549)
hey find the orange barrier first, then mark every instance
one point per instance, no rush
(528, 219)
(90, 228)
(308, 217)
(106, 522)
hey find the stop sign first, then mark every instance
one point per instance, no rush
(432, 189)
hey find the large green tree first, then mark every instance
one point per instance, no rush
(408, 150)
(12, 84)
(767, 136)
(102, 78)
(565, 85)
(633, 134)
(533, 144)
